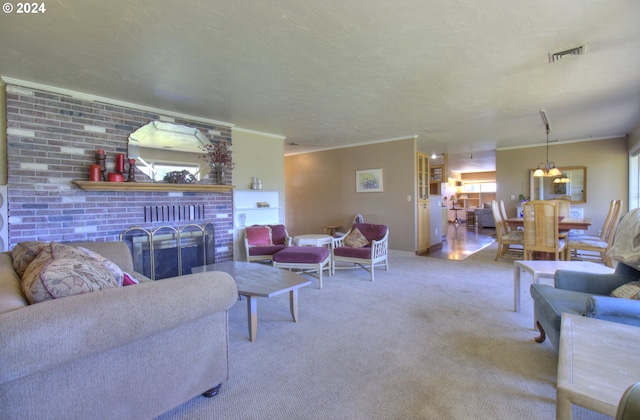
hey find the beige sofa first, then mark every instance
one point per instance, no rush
(130, 352)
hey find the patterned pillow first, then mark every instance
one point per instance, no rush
(24, 253)
(630, 290)
(110, 265)
(60, 271)
(259, 235)
(355, 239)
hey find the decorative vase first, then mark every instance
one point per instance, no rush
(217, 175)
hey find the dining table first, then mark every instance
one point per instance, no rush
(565, 223)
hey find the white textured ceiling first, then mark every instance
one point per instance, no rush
(464, 76)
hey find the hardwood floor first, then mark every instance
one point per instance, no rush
(463, 241)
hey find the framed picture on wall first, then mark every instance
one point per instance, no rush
(560, 188)
(369, 180)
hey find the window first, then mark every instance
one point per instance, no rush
(157, 171)
(477, 187)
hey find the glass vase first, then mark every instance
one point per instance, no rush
(217, 175)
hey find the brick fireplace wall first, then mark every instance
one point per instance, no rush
(52, 139)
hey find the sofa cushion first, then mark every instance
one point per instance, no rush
(371, 231)
(278, 234)
(630, 290)
(302, 254)
(265, 249)
(61, 271)
(11, 296)
(349, 252)
(259, 235)
(355, 239)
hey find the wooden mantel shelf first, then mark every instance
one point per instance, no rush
(150, 186)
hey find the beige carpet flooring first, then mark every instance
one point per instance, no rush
(429, 339)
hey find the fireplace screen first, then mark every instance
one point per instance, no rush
(169, 251)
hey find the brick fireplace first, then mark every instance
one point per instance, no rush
(52, 139)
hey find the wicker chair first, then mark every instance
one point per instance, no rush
(594, 248)
(541, 232)
(505, 238)
(262, 241)
(375, 252)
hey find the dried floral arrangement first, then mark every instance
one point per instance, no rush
(217, 155)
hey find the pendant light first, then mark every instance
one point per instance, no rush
(547, 168)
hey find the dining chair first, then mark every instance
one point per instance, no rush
(503, 215)
(564, 207)
(541, 230)
(564, 210)
(594, 248)
(505, 239)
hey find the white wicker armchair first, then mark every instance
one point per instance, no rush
(262, 246)
(376, 252)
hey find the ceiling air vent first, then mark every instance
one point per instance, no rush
(553, 57)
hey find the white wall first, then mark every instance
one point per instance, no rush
(258, 155)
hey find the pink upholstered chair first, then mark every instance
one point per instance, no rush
(262, 241)
(375, 251)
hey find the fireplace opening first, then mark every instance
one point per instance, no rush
(169, 251)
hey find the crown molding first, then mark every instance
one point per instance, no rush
(409, 137)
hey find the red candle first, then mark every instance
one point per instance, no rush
(94, 173)
(120, 163)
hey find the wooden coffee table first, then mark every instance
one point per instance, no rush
(597, 361)
(258, 280)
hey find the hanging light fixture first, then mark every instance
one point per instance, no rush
(547, 168)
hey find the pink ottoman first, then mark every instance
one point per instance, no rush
(309, 259)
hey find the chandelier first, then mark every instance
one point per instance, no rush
(547, 168)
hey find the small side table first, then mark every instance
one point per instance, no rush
(331, 229)
(312, 240)
(457, 220)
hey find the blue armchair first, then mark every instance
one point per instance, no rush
(588, 294)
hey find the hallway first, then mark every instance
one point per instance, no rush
(463, 241)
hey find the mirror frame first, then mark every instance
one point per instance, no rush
(532, 184)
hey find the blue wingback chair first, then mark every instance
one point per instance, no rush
(588, 294)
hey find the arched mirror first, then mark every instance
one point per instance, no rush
(161, 147)
(571, 185)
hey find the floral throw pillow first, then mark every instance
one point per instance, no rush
(355, 239)
(60, 271)
(630, 290)
(24, 253)
(110, 265)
